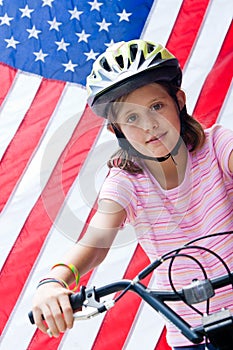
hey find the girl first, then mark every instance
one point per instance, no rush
(170, 179)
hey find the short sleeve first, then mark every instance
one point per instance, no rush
(119, 188)
(222, 140)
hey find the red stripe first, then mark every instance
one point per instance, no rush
(162, 343)
(186, 28)
(7, 75)
(113, 334)
(42, 215)
(28, 136)
(217, 84)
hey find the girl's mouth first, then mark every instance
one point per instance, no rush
(156, 138)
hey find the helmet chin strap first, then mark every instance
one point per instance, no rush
(123, 143)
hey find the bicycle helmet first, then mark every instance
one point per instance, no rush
(126, 66)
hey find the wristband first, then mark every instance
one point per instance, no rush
(48, 280)
(73, 269)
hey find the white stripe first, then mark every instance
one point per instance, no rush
(206, 49)
(57, 135)
(16, 105)
(226, 113)
(161, 20)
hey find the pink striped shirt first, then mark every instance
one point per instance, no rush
(166, 219)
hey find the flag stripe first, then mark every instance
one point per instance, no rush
(28, 135)
(15, 107)
(46, 209)
(159, 29)
(190, 12)
(7, 77)
(215, 87)
(162, 344)
(205, 50)
(225, 117)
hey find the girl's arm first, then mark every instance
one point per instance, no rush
(51, 299)
(231, 162)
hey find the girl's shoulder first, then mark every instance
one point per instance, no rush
(218, 145)
(218, 133)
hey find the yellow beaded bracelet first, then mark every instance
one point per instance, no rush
(73, 269)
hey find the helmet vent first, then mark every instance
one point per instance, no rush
(120, 61)
(104, 64)
(158, 57)
(133, 51)
(150, 48)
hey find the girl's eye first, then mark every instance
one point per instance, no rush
(156, 107)
(131, 118)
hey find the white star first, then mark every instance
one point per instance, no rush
(33, 33)
(83, 36)
(124, 16)
(91, 55)
(75, 13)
(47, 3)
(26, 12)
(54, 24)
(5, 20)
(95, 5)
(12, 42)
(103, 25)
(1, 2)
(69, 66)
(61, 45)
(40, 55)
(109, 44)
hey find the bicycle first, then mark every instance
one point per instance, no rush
(215, 328)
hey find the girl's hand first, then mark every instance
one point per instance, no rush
(52, 301)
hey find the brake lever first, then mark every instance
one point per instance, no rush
(92, 302)
(89, 312)
(85, 314)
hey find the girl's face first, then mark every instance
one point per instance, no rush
(149, 119)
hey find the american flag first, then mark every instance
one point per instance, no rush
(53, 150)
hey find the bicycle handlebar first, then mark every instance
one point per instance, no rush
(155, 298)
(217, 327)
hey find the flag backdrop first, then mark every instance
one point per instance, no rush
(53, 150)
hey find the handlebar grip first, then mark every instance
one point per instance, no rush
(76, 301)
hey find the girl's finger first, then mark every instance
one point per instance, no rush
(67, 311)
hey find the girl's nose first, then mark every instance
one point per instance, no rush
(150, 121)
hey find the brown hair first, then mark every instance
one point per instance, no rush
(192, 133)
